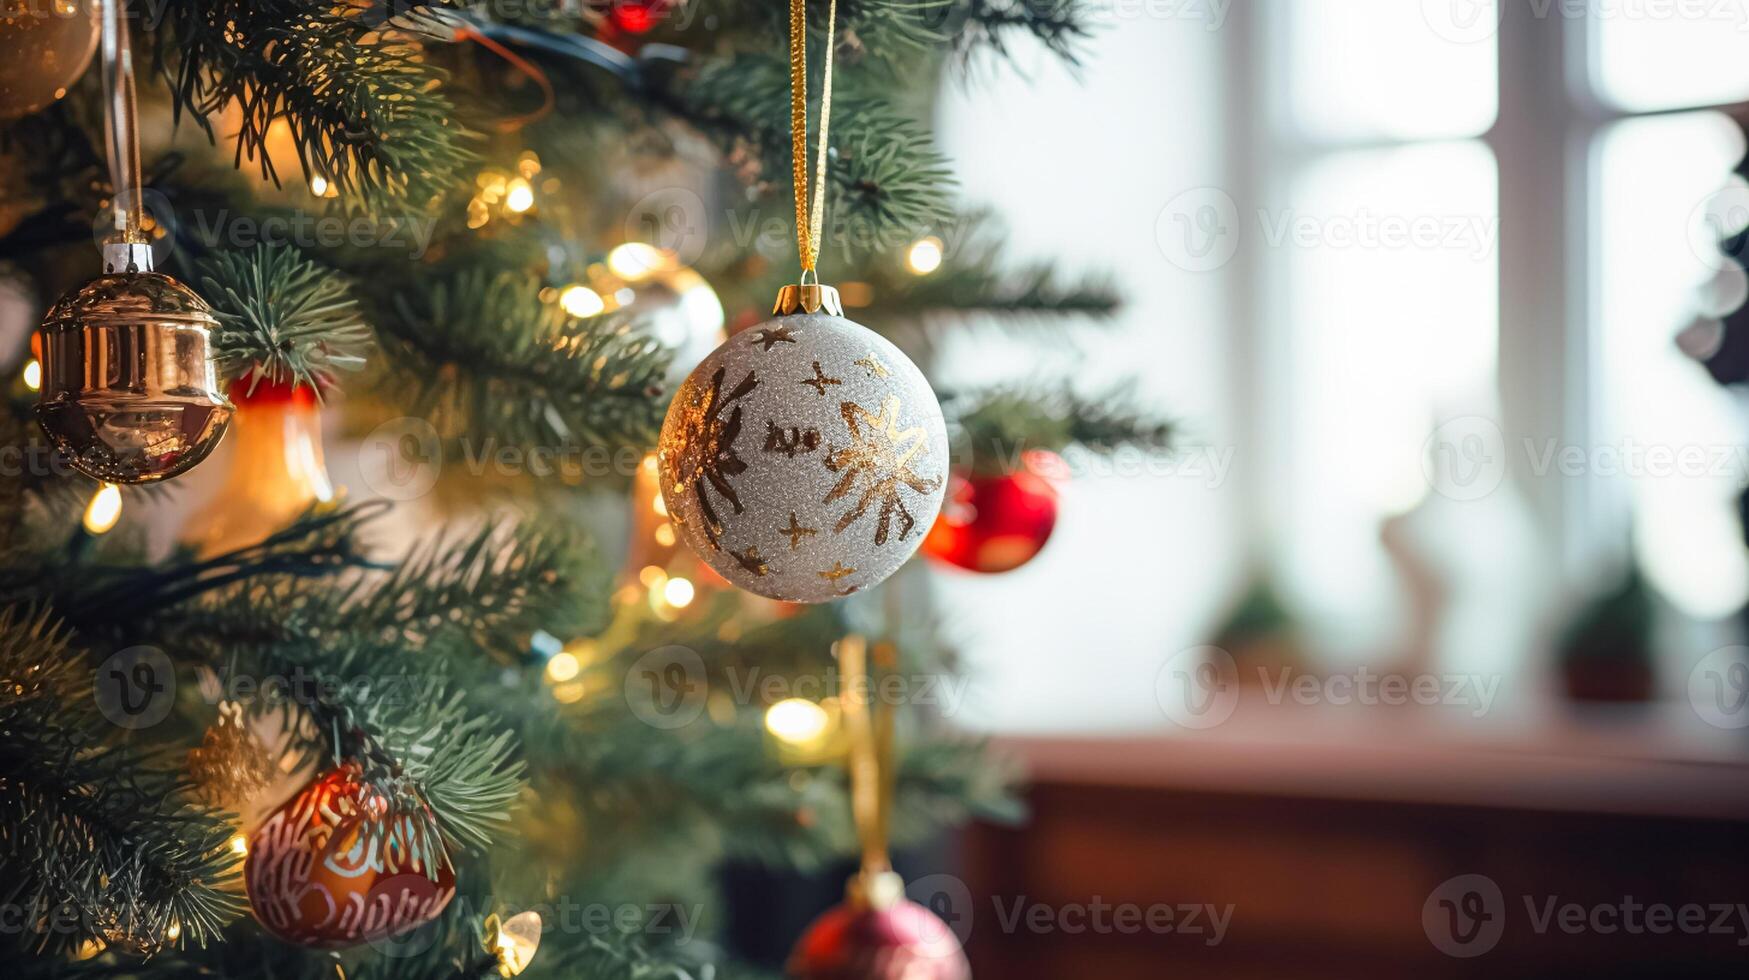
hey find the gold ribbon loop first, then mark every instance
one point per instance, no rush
(809, 217)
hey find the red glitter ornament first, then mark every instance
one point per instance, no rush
(338, 865)
(997, 523)
(879, 938)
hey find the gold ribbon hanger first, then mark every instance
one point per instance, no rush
(870, 730)
(808, 295)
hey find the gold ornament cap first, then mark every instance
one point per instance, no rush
(878, 890)
(807, 297)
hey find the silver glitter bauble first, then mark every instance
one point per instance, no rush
(804, 459)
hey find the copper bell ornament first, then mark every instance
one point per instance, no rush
(129, 394)
(129, 391)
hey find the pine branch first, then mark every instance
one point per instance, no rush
(90, 828)
(364, 108)
(999, 425)
(1062, 25)
(887, 184)
(537, 377)
(283, 317)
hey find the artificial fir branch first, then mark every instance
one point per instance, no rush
(537, 377)
(363, 107)
(283, 316)
(888, 183)
(998, 425)
(97, 842)
(1062, 25)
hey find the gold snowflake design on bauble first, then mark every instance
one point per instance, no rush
(879, 460)
(704, 451)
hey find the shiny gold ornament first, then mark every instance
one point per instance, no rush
(48, 46)
(129, 392)
(230, 766)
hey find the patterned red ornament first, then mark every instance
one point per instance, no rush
(997, 523)
(339, 865)
(856, 941)
(638, 16)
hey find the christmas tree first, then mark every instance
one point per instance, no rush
(491, 238)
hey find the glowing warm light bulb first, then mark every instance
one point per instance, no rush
(174, 932)
(318, 185)
(104, 509)
(582, 302)
(925, 256)
(652, 576)
(797, 721)
(634, 260)
(659, 505)
(665, 535)
(33, 375)
(563, 667)
(239, 844)
(515, 941)
(519, 197)
(678, 592)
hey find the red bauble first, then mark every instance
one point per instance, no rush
(997, 523)
(903, 941)
(638, 16)
(337, 865)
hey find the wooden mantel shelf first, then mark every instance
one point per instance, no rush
(1650, 761)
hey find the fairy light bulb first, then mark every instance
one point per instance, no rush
(678, 592)
(582, 302)
(925, 256)
(797, 721)
(33, 374)
(635, 260)
(104, 509)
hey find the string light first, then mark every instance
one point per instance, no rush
(924, 256)
(104, 509)
(582, 302)
(634, 260)
(520, 197)
(239, 845)
(33, 374)
(563, 667)
(174, 932)
(513, 941)
(678, 592)
(797, 721)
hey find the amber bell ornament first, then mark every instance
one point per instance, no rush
(129, 392)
